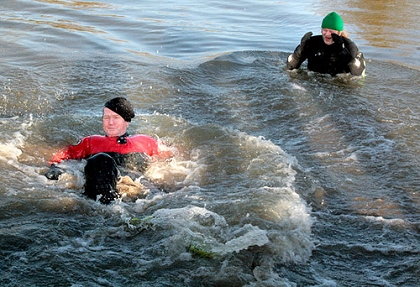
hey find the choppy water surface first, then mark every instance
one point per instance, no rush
(280, 178)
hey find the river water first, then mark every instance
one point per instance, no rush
(280, 178)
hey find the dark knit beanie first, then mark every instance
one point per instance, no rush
(333, 21)
(122, 107)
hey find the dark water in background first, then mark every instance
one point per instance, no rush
(284, 178)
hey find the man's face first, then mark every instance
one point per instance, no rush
(326, 35)
(113, 124)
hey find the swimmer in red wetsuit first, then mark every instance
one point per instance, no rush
(108, 155)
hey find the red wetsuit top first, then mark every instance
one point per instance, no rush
(92, 145)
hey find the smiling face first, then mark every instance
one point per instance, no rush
(113, 124)
(326, 35)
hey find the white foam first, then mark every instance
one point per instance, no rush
(389, 221)
(245, 237)
(297, 87)
(176, 172)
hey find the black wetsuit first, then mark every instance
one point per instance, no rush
(328, 59)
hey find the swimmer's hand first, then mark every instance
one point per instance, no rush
(338, 40)
(54, 172)
(305, 39)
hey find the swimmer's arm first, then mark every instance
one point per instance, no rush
(357, 63)
(299, 56)
(164, 155)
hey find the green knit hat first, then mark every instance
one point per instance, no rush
(333, 21)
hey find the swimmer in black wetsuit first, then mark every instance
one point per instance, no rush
(330, 53)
